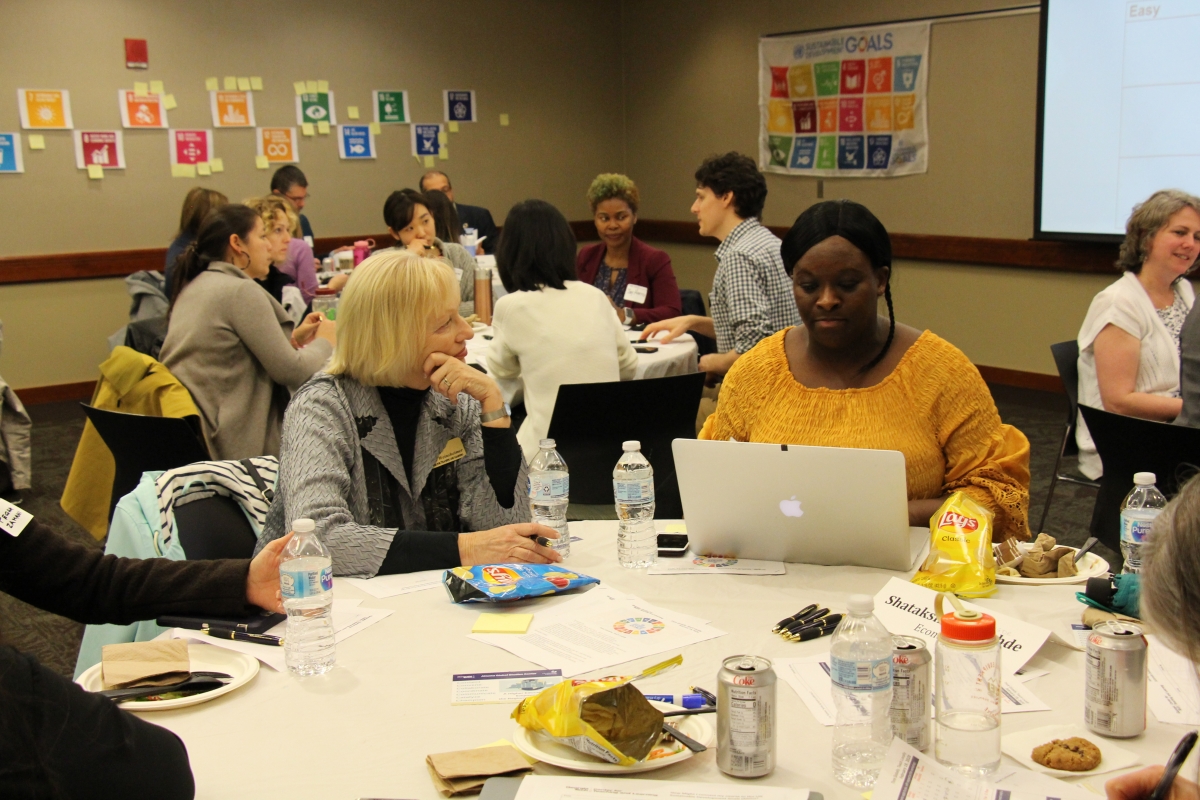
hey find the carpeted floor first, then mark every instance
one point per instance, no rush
(57, 427)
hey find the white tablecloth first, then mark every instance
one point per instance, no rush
(364, 729)
(680, 357)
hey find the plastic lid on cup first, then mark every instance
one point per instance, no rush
(861, 604)
(631, 445)
(546, 444)
(972, 626)
(1144, 479)
(304, 525)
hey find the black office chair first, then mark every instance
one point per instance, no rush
(140, 443)
(214, 527)
(592, 420)
(1066, 359)
(1127, 445)
(693, 303)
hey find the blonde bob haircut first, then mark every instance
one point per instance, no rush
(384, 316)
(271, 205)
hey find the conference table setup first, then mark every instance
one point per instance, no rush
(406, 655)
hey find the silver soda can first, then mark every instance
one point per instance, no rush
(1115, 682)
(912, 711)
(746, 717)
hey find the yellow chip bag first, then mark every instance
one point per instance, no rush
(960, 549)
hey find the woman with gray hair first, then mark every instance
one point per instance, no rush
(1170, 602)
(1129, 341)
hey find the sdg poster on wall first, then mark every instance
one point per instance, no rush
(846, 103)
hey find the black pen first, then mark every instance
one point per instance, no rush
(783, 623)
(242, 636)
(823, 618)
(827, 625)
(709, 697)
(809, 634)
(1173, 764)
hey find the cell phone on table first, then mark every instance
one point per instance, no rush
(672, 544)
(641, 348)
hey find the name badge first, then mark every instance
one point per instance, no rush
(635, 293)
(308, 240)
(453, 451)
(13, 519)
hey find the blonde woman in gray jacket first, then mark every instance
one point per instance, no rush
(404, 456)
(231, 344)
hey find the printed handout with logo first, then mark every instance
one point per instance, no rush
(391, 106)
(692, 564)
(599, 629)
(500, 687)
(44, 109)
(105, 149)
(355, 141)
(141, 110)
(10, 153)
(191, 146)
(278, 145)
(459, 106)
(315, 108)
(232, 109)
(847, 103)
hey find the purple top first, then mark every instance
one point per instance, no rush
(300, 268)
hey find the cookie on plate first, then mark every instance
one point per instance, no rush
(1073, 755)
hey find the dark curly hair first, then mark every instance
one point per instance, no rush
(734, 172)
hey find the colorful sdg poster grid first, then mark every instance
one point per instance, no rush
(846, 103)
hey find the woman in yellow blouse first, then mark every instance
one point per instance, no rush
(851, 378)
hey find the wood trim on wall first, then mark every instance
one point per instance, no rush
(57, 393)
(970, 250)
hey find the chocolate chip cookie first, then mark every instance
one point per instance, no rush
(1073, 755)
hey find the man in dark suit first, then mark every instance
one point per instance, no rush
(475, 217)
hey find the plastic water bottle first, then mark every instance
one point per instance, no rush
(549, 494)
(633, 490)
(1138, 510)
(861, 672)
(306, 583)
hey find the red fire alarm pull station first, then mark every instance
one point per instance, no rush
(136, 54)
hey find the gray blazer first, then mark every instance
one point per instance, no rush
(228, 342)
(322, 477)
(1189, 369)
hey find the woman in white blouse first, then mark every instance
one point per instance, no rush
(550, 329)
(1129, 342)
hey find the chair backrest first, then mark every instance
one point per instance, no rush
(591, 420)
(140, 443)
(214, 527)
(693, 303)
(1066, 359)
(1127, 445)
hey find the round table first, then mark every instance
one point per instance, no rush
(364, 729)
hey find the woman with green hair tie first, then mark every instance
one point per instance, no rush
(637, 278)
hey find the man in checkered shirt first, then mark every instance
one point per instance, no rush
(752, 295)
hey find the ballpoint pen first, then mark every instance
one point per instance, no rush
(816, 630)
(242, 636)
(1176, 760)
(820, 619)
(783, 623)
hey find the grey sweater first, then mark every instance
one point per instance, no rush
(228, 342)
(322, 476)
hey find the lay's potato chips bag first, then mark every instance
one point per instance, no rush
(960, 549)
(490, 583)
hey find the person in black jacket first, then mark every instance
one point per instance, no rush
(59, 741)
(476, 217)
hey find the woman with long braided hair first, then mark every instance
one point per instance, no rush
(849, 377)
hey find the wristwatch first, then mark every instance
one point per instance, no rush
(492, 416)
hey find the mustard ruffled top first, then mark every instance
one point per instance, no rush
(934, 408)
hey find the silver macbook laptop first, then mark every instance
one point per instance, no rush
(809, 505)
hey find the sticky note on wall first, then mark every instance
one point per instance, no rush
(255, 83)
(183, 170)
(37, 141)
(307, 129)
(376, 128)
(216, 164)
(323, 87)
(310, 87)
(299, 87)
(504, 119)
(323, 126)
(141, 88)
(428, 162)
(230, 83)
(243, 84)
(261, 162)
(156, 87)
(352, 112)
(95, 172)
(453, 126)
(211, 84)
(169, 102)
(203, 168)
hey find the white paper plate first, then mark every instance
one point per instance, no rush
(1091, 566)
(1020, 747)
(543, 748)
(205, 658)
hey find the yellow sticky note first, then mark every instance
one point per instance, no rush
(37, 141)
(444, 153)
(675, 527)
(299, 87)
(156, 87)
(141, 88)
(216, 164)
(310, 87)
(376, 128)
(243, 84)
(203, 168)
(323, 126)
(230, 83)
(183, 170)
(255, 83)
(322, 87)
(443, 137)
(95, 172)
(169, 102)
(428, 162)
(211, 85)
(502, 623)
(307, 129)
(261, 162)
(504, 119)
(454, 126)
(352, 112)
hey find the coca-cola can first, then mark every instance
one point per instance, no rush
(746, 717)
(1115, 680)
(912, 681)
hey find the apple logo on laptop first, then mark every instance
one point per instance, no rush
(791, 508)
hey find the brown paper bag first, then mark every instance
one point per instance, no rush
(156, 663)
(465, 771)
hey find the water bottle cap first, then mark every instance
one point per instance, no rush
(304, 525)
(546, 444)
(861, 604)
(1144, 479)
(971, 626)
(631, 446)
